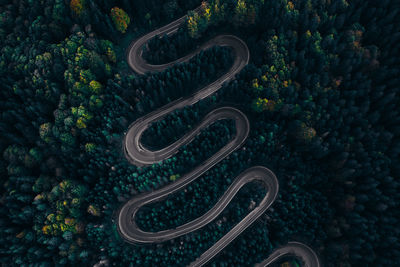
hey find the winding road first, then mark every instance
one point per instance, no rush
(139, 155)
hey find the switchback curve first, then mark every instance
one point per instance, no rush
(139, 155)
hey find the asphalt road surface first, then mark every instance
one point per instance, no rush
(139, 155)
(296, 249)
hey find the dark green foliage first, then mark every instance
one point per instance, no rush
(321, 92)
(173, 126)
(169, 48)
(215, 137)
(180, 80)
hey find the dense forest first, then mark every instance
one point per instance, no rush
(321, 91)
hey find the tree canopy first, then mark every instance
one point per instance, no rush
(321, 92)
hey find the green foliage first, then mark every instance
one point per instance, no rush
(321, 92)
(241, 13)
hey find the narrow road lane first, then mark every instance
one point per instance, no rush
(139, 155)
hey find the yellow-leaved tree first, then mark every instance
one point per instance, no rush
(120, 18)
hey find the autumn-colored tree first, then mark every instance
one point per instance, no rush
(77, 6)
(120, 18)
(261, 104)
(95, 87)
(45, 131)
(240, 10)
(193, 24)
